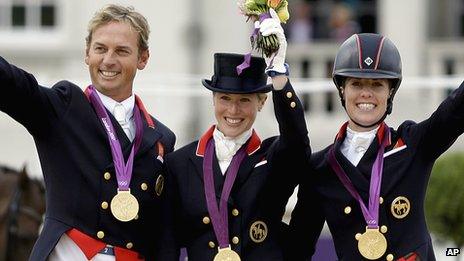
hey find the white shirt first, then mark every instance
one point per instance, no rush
(356, 144)
(67, 250)
(122, 111)
(227, 147)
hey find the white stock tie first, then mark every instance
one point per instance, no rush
(120, 115)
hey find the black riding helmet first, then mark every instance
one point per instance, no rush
(368, 56)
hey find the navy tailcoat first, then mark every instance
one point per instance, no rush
(265, 180)
(77, 165)
(408, 162)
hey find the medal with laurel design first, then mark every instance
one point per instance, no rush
(226, 254)
(124, 206)
(372, 244)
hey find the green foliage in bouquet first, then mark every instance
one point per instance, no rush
(445, 199)
(253, 9)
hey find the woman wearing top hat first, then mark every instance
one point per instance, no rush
(228, 190)
(370, 184)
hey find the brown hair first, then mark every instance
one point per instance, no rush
(120, 13)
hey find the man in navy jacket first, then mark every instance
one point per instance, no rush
(101, 152)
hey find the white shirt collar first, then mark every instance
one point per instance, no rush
(356, 144)
(128, 104)
(352, 134)
(226, 147)
(239, 140)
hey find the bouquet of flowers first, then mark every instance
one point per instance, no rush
(258, 10)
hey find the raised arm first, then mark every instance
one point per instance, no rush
(287, 107)
(26, 101)
(438, 132)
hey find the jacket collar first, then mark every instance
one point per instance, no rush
(254, 143)
(380, 133)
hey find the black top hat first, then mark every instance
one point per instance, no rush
(226, 79)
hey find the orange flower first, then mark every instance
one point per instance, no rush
(273, 3)
(283, 13)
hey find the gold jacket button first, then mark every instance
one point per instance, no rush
(144, 186)
(293, 104)
(235, 240)
(206, 220)
(129, 245)
(289, 95)
(390, 257)
(383, 229)
(235, 212)
(381, 200)
(211, 244)
(104, 205)
(348, 210)
(107, 175)
(100, 234)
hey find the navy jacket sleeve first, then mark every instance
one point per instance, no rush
(292, 149)
(442, 128)
(289, 153)
(288, 158)
(34, 106)
(307, 219)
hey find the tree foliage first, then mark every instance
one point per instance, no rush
(445, 199)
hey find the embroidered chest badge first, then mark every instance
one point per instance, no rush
(400, 207)
(258, 231)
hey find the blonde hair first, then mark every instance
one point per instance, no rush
(120, 13)
(262, 96)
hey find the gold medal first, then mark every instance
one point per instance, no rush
(226, 254)
(372, 244)
(124, 206)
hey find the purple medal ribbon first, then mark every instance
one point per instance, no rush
(123, 170)
(246, 61)
(371, 214)
(219, 217)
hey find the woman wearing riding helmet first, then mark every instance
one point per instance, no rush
(370, 184)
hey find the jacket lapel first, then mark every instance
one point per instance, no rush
(253, 156)
(359, 181)
(149, 138)
(395, 167)
(246, 166)
(219, 179)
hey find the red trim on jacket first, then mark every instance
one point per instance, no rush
(341, 133)
(91, 246)
(410, 257)
(139, 103)
(399, 143)
(147, 116)
(380, 132)
(254, 142)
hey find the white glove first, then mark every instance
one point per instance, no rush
(268, 27)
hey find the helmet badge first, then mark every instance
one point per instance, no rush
(368, 61)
